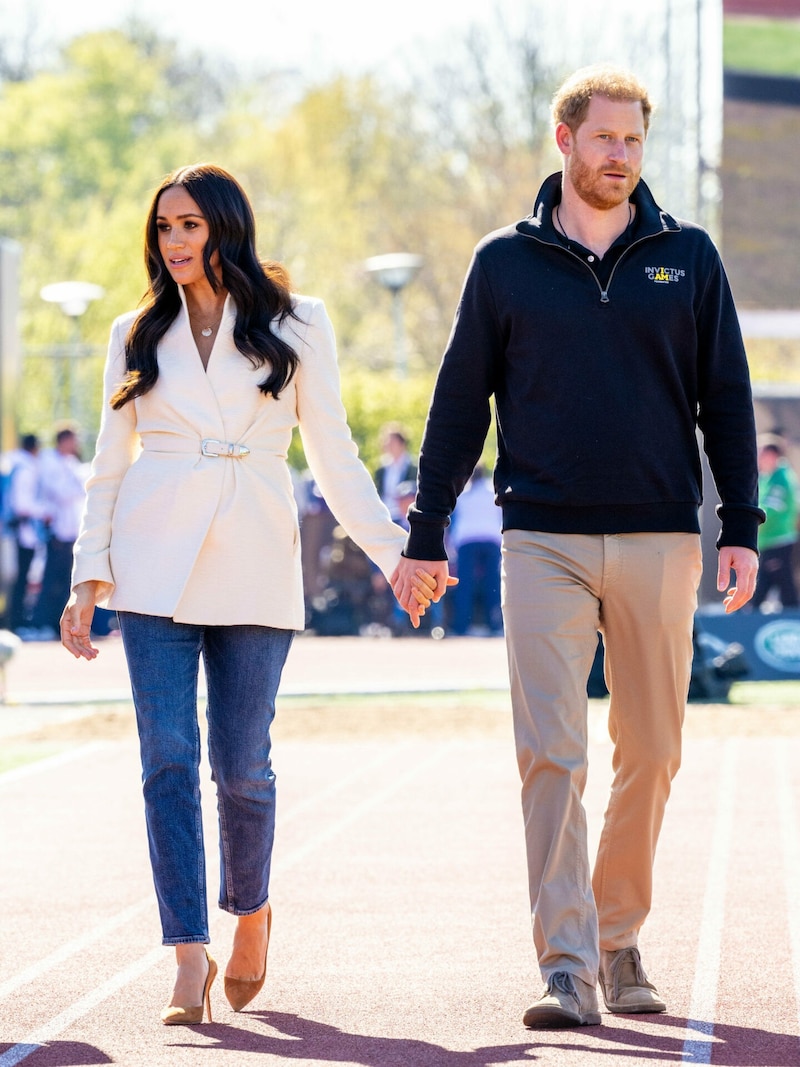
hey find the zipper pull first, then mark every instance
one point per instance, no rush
(604, 297)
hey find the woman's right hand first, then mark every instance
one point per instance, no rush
(76, 621)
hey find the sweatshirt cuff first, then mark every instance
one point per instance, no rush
(739, 527)
(425, 542)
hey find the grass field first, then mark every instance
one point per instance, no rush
(772, 694)
(18, 753)
(766, 46)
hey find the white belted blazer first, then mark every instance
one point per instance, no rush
(214, 539)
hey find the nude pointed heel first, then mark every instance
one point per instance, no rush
(240, 991)
(176, 1016)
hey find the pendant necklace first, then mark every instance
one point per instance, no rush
(206, 328)
(206, 331)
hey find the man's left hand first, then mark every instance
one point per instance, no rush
(743, 562)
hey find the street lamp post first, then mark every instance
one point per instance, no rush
(73, 298)
(394, 271)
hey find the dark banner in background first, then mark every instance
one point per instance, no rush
(771, 643)
(761, 88)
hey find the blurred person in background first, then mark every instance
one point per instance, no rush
(475, 539)
(62, 480)
(395, 479)
(24, 514)
(778, 496)
(397, 468)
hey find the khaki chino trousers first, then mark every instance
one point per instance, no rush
(640, 591)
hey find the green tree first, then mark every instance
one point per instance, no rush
(338, 172)
(84, 143)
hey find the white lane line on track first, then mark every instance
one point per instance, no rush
(48, 764)
(33, 1041)
(355, 813)
(790, 840)
(78, 944)
(81, 1007)
(71, 948)
(313, 800)
(706, 973)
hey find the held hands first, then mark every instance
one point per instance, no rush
(76, 621)
(416, 583)
(743, 562)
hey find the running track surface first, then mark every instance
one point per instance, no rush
(401, 933)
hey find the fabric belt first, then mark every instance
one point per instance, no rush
(208, 446)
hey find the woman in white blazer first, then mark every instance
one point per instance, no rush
(190, 534)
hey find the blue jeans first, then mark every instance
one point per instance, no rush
(243, 666)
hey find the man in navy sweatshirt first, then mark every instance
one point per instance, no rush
(605, 331)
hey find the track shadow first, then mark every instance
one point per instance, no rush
(299, 1039)
(291, 1037)
(57, 1054)
(732, 1046)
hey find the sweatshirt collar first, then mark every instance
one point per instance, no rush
(650, 218)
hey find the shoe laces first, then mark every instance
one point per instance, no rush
(562, 980)
(625, 971)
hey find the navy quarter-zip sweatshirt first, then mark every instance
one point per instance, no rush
(599, 386)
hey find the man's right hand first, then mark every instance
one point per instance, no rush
(417, 582)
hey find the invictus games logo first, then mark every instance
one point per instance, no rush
(778, 645)
(664, 275)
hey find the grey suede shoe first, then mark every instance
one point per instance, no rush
(567, 1001)
(625, 986)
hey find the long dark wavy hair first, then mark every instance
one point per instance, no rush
(260, 290)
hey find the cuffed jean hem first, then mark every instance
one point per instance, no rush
(231, 910)
(170, 942)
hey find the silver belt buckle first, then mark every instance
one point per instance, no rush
(210, 446)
